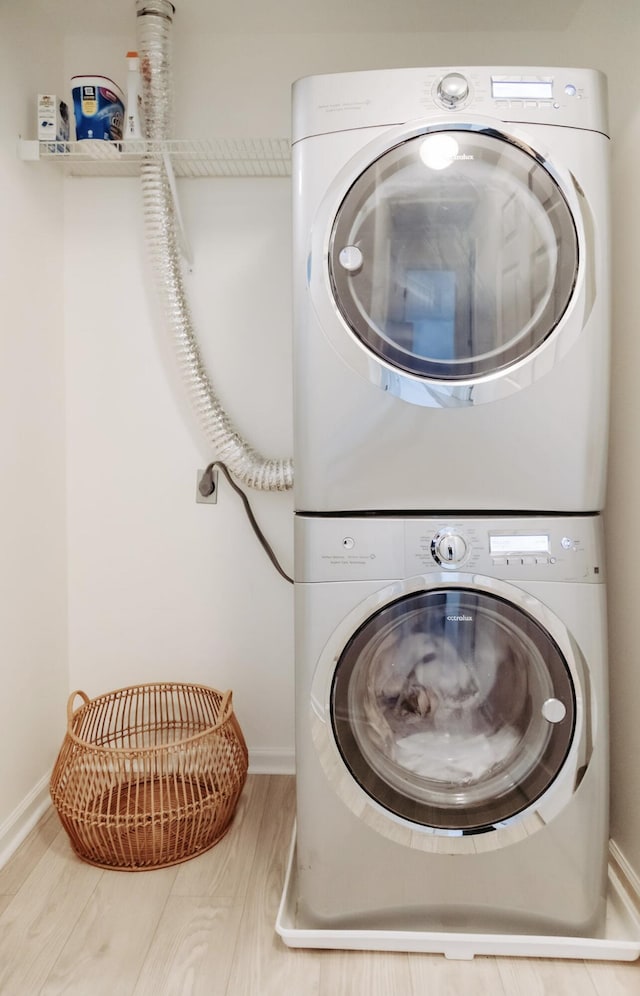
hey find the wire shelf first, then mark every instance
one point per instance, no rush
(261, 157)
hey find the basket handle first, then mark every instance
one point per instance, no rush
(70, 711)
(226, 706)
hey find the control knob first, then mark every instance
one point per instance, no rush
(449, 548)
(452, 89)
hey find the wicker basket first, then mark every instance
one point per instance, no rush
(148, 776)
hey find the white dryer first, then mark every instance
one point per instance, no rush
(451, 724)
(451, 289)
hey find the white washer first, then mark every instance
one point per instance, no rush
(451, 724)
(451, 289)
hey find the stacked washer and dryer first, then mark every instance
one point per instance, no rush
(451, 312)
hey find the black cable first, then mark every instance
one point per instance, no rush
(206, 487)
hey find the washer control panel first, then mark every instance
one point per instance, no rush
(388, 547)
(507, 548)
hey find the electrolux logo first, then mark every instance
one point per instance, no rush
(439, 150)
(459, 618)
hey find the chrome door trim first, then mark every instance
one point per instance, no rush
(485, 388)
(498, 835)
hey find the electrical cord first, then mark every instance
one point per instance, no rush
(206, 487)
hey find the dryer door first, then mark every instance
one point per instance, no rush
(454, 255)
(453, 708)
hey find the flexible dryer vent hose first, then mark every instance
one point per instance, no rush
(154, 20)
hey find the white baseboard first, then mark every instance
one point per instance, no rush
(23, 819)
(626, 873)
(272, 762)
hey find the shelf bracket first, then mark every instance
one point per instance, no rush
(182, 235)
(29, 151)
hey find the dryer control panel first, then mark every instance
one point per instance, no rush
(569, 97)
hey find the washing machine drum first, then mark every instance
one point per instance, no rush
(453, 255)
(453, 709)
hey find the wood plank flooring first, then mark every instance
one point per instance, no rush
(206, 928)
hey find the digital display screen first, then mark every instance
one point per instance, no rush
(518, 544)
(522, 89)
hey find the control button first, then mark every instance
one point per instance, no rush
(542, 560)
(567, 543)
(499, 561)
(528, 560)
(351, 259)
(570, 90)
(554, 710)
(348, 543)
(514, 561)
(449, 548)
(452, 89)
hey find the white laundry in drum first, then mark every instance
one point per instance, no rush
(455, 758)
(439, 712)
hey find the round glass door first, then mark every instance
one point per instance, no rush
(453, 255)
(453, 709)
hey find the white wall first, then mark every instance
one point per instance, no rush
(33, 662)
(160, 587)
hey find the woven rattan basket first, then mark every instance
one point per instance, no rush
(148, 776)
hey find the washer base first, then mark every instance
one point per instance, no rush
(619, 941)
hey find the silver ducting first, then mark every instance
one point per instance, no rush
(154, 19)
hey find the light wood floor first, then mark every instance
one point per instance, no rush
(207, 927)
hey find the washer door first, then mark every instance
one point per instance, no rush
(453, 256)
(453, 709)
